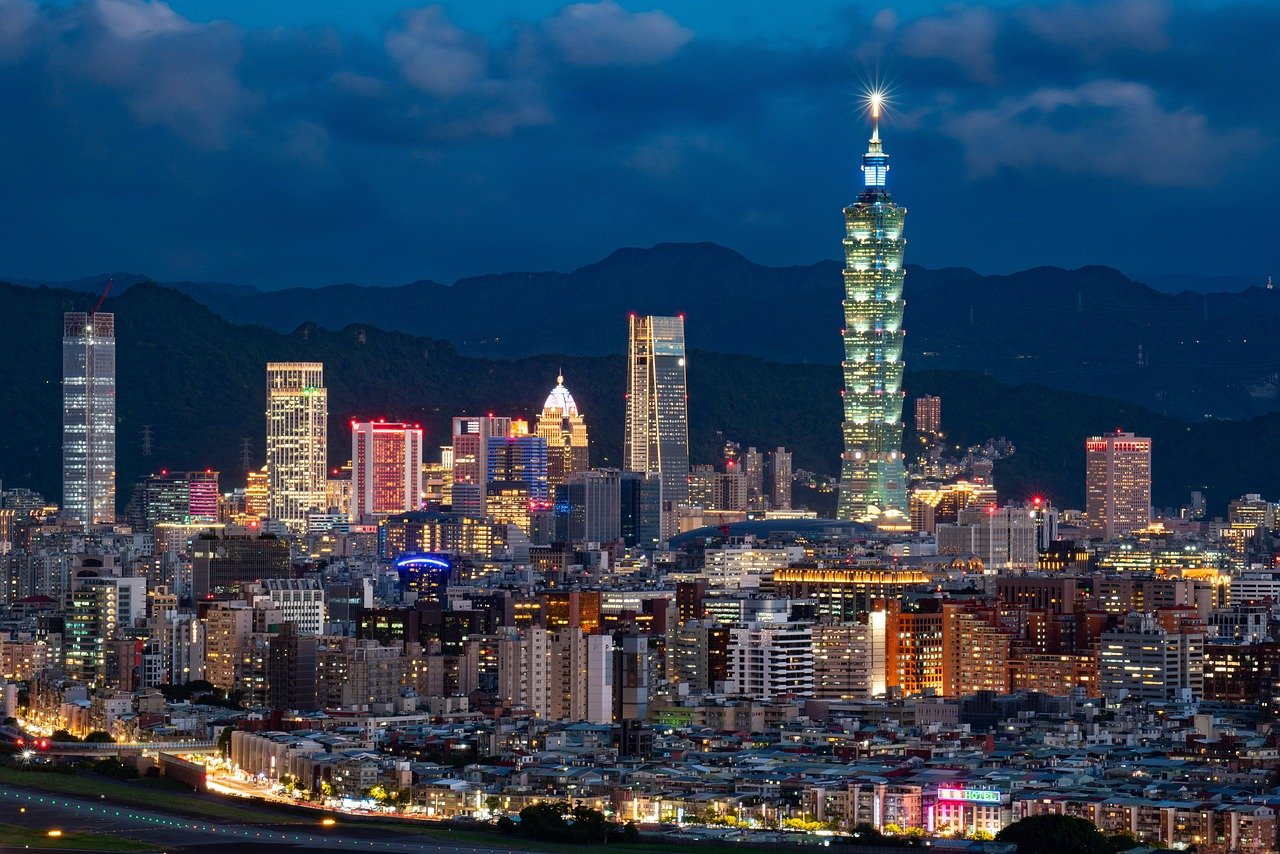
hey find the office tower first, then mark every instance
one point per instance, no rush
(641, 510)
(657, 424)
(1117, 484)
(595, 506)
(933, 505)
(299, 600)
(753, 477)
(386, 468)
(1145, 659)
(470, 459)
(518, 459)
(845, 594)
(777, 479)
(175, 498)
(1046, 519)
(770, 659)
(1004, 538)
(89, 417)
(565, 431)
(929, 416)
(220, 565)
(297, 420)
(872, 476)
(257, 487)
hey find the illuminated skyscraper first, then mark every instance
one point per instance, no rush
(565, 430)
(872, 477)
(470, 459)
(657, 425)
(386, 468)
(297, 420)
(89, 416)
(1117, 484)
(929, 415)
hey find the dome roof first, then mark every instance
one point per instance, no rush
(560, 400)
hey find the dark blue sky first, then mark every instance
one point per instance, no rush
(315, 141)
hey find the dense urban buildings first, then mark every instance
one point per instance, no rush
(1117, 483)
(690, 647)
(297, 425)
(657, 423)
(873, 477)
(89, 417)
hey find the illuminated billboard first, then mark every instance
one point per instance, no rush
(969, 796)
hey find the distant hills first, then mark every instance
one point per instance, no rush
(1188, 355)
(197, 379)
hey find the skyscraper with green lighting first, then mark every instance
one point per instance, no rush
(872, 475)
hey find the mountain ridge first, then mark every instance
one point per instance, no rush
(198, 381)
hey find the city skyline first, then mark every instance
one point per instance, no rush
(918, 594)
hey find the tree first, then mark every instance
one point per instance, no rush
(99, 737)
(62, 735)
(1055, 834)
(224, 742)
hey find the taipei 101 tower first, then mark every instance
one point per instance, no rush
(872, 475)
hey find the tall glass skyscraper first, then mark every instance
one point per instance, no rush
(657, 425)
(89, 417)
(872, 475)
(297, 424)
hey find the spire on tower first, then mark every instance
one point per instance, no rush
(875, 163)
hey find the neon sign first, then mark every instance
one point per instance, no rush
(971, 796)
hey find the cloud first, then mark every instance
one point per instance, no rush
(602, 34)
(139, 19)
(1098, 27)
(965, 37)
(296, 155)
(1106, 128)
(434, 55)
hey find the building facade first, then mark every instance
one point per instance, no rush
(1117, 484)
(872, 476)
(386, 468)
(297, 421)
(657, 425)
(89, 417)
(564, 429)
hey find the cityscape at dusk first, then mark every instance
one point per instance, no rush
(884, 456)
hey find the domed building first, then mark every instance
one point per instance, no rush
(562, 425)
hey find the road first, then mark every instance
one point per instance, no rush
(45, 811)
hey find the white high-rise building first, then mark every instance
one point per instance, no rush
(297, 423)
(770, 659)
(299, 600)
(89, 417)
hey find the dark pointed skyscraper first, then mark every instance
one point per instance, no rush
(872, 475)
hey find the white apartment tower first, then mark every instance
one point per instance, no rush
(297, 424)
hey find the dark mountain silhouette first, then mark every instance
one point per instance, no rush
(1092, 330)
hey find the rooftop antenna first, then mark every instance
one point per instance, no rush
(103, 298)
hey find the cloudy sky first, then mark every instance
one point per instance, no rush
(316, 141)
